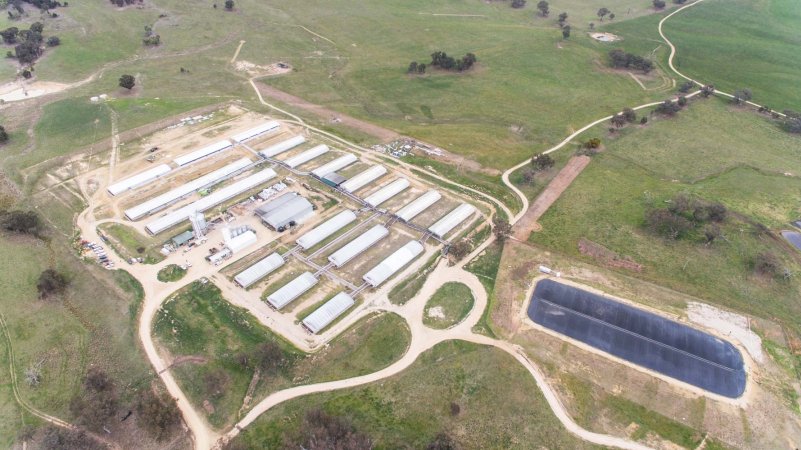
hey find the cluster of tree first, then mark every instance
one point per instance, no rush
(127, 81)
(592, 144)
(158, 414)
(768, 264)
(686, 87)
(685, 216)
(627, 116)
(542, 161)
(791, 122)
(321, 431)
(97, 402)
(544, 8)
(563, 25)
(442, 60)
(659, 4)
(443, 441)
(267, 357)
(518, 4)
(414, 67)
(623, 60)
(501, 228)
(122, 3)
(603, 12)
(50, 283)
(43, 4)
(151, 38)
(3, 135)
(229, 5)
(22, 222)
(57, 438)
(671, 108)
(29, 42)
(459, 249)
(741, 95)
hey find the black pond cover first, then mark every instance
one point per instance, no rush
(640, 337)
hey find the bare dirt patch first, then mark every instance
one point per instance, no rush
(270, 70)
(729, 324)
(605, 37)
(21, 90)
(606, 256)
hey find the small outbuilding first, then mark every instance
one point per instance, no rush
(329, 312)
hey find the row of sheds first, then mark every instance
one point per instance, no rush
(143, 178)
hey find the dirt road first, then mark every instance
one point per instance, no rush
(528, 222)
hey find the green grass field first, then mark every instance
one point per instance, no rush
(127, 242)
(170, 273)
(453, 302)
(639, 170)
(409, 409)
(198, 322)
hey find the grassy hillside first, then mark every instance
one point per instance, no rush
(732, 157)
(409, 409)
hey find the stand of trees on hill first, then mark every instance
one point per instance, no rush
(29, 43)
(443, 61)
(122, 3)
(623, 60)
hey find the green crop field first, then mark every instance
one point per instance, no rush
(409, 409)
(199, 323)
(714, 159)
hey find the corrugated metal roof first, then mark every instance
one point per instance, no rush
(308, 155)
(183, 238)
(209, 201)
(295, 210)
(362, 179)
(242, 241)
(168, 197)
(452, 219)
(337, 164)
(387, 192)
(393, 263)
(355, 247)
(418, 205)
(324, 315)
(272, 205)
(259, 270)
(326, 229)
(256, 131)
(282, 146)
(203, 152)
(138, 180)
(292, 290)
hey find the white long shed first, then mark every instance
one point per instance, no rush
(418, 205)
(292, 290)
(324, 315)
(138, 180)
(308, 155)
(261, 269)
(393, 263)
(447, 223)
(256, 131)
(362, 179)
(242, 241)
(204, 152)
(209, 201)
(326, 229)
(387, 192)
(159, 202)
(337, 164)
(282, 146)
(357, 246)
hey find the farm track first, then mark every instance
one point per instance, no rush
(422, 337)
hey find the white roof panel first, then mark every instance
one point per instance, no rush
(452, 219)
(282, 146)
(292, 290)
(295, 210)
(357, 246)
(362, 179)
(242, 241)
(324, 315)
(325, 229)
(139, 179)
(337, 164)
(256, 131)
(158, 202)
(308, 155)
(259, 270)
(393, 263)
(418, 205)
(387, 192)
(209, 201)
(203, 152)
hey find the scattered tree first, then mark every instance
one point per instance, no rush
(612, 16)
(57, 438)
(544, 8)
(158, 414)
(53, 41)
(37, 27)
(459, 249)
(742, 95)
(455, 409)
(791, 124)
(412, 67)
(621, 59)
(659, 4)
(3, 135)
(679, 2)
(501, 228)
(229, 5)
(321, 431)
(643, 120)
(630, 115)
(97, 402)
(686, 87)
(517, 4)
(23, 222)
(542, 161)
(442, 60)
(421, 68)
(51, 283)
(664, 223)
(682, 101)
(10, 35)
(127, 82)
(707, 90)
(528, 176)
(562, 18)
(668, 108)
(602, 13)
(767, 263)
(565, 31)
(442, 442)
(592, 25)
(592, 144)
(618, 120)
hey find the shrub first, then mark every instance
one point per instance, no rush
(51, 283)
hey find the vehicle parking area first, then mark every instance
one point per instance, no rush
(302, 232)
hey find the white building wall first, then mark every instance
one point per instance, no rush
(292, 290)
(357, 246)
(282, 146)
(387, 192)
(308, 155)
(393, 263)
(362, 179)
(444, 225)
(326, 229)
(324, 315)
(138, 180)
(418, 205)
